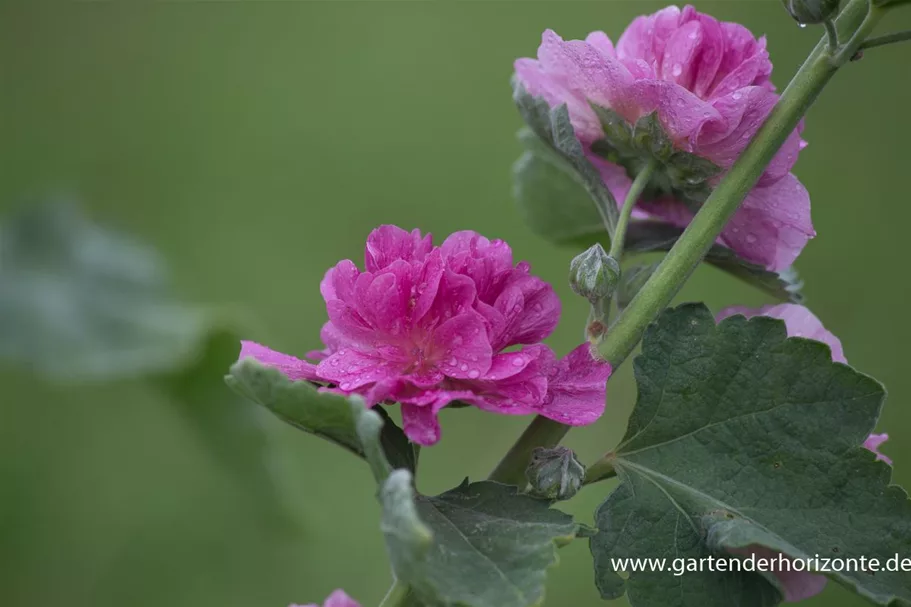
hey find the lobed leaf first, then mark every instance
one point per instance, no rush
(742, 437)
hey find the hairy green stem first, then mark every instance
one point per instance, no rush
(632, 197)
(396, 595)
(855, 23)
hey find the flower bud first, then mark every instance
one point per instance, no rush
(555, 473)
(809, 12)
(632, 281)
(594, 274)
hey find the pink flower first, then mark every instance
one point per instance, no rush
(800, 322)
(425, 326)
(336, 599)
(873, 442)
(709, 84)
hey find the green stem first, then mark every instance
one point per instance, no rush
(601, 470)
(396, 595)
(887, 39)
(855, 23)
(832, 33)
(541, 431)
(632, 197)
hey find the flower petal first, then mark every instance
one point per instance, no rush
(799, 321)
(772, 225)
(577, 387)
(294, 368)
(468, 354)
(872, 444)
(351, 369)
(796, 585)
(389, 243)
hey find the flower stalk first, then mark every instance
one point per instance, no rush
(855, 23)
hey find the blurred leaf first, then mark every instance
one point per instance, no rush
(327, 415)
(743, 437)
(80, 302)
(554, 130)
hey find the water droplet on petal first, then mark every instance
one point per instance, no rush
(453, 362)
(474, 374)
(464, 367)
(518, 362)
(677, 70)
(344, 385)
(751, 238)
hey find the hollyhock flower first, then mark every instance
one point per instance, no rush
(426, 326)
(873, 442)
(800, 322)
(707, 82)
(336, 599)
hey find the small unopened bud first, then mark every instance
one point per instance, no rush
(810, 12)
(633, 280)
(594, 274)
(555, 473)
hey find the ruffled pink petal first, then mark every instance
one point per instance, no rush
(583, 74)
(799, 322)
(294, 368)
(487, 262)
(351, 369)
(347, 324)
(530, 311)
(420, 413)
(577, 387)
(390, 243)
(384, 299)
(464, 351)
(796, 585)
(745, 62)
(338, 283)
(601, 42)
(872, 444)
(772, 225)
(428, 286)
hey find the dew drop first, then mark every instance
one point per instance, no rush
(453, 362)
(736, 96)
(474, 374)
(678, 69)
(802, 25)
(693, 35)
(344, 385)
(464, 367)
(751, 238)
(518, 362)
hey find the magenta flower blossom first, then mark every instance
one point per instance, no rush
(709, 84)
(336, 599)
(800, 322)
(426, 326)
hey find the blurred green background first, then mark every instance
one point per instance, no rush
(257, 143)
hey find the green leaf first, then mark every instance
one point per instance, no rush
(81, 302)
(78, 301)
(478, 545)
(743, 437)
(324, 414)
(490, 545)
(555, 132)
